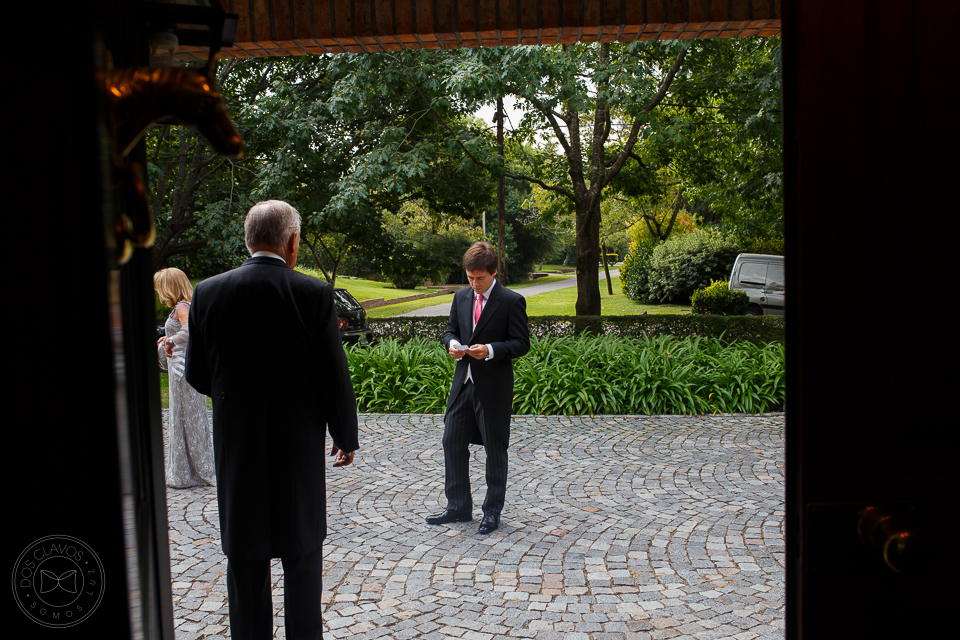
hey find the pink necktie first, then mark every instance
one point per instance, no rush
(476, 312)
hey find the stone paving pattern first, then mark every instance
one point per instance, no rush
(616, 527)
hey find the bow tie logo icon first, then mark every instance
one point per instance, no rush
(50, 581)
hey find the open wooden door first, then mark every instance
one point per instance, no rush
(871, 140)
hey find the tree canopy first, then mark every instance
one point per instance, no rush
(376, 150)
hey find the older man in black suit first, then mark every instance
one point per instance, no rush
(493, 321)
(265, 345)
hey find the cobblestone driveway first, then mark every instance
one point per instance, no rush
(616, 527)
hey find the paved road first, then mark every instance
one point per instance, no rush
(616, 527)
(526, 292)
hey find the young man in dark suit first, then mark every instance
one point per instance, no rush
(264, 344)
(493, 321)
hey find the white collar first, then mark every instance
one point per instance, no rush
(486, 294)
(268, 254)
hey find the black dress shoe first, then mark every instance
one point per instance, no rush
(489, 523)
(450, 516)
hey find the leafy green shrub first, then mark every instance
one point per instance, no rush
(413, 377)
(685, 263)
(719, 300)
(586, 375)
(635, 268)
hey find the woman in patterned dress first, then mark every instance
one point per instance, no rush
(189, 456)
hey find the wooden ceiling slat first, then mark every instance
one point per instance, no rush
(570, 20)
(655, 11)
(699, 10)
(383, 20)
(403, 13)
(342, 30)
(740, 9)
(488, 18)
(297, 27)
(282, 29)
(303, 23)
(445, 20)
(550, 23)
(467, 18)
(719, 12)
(591, 16)
(363, 23)
(634, 16)
(260, 22)
(424, 16)
(322, 23)
(509, 20)
(529, 25)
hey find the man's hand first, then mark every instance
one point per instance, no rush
(343, 458)
(478, 351)
(455, 351)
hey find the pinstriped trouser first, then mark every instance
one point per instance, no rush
(466, 414)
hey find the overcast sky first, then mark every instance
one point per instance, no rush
(514, 115)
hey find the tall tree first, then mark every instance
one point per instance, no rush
(358, 140)
(593, 100)
(196, 193)
(716, 148)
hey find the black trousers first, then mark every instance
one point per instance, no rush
(251, 603)
(464, 417)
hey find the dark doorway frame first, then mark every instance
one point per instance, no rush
(869, 137)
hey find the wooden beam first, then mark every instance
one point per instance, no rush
(300, 27)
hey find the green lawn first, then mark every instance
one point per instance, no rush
(366, 289)
(165, 392)
(405, 307)
(559, 267)
(563, 303)
(554, 303)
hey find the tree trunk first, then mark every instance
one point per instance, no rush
(606, 267)
(588, 259)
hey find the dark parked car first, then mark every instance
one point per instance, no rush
(352, 318)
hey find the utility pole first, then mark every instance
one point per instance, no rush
(501, 198)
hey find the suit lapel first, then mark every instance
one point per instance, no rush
(465, 311)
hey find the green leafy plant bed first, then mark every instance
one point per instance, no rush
(586, 375)
(756, 329)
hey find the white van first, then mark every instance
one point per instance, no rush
(762, 277)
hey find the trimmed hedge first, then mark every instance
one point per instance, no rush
(755, 329)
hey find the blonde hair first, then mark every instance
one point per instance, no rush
(172, 285)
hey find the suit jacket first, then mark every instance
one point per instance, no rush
(502, 325)
(265, 345)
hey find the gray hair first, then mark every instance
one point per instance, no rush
(270, 224)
